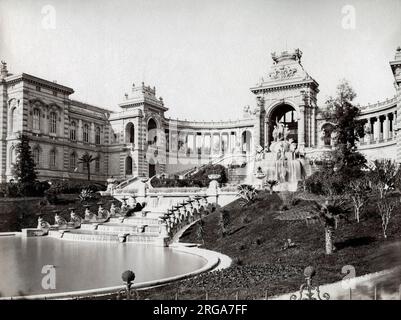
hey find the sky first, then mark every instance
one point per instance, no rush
(202, 56)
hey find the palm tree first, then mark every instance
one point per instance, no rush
(247, 193)
(329, 212)
(86, 159)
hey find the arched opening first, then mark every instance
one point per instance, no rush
(128, 165)
(283, 124)
(73, 161)
(52, 158)
(129, 133)
(152, 132)
(36, 119)
(97, 135)
(327, 130)
(246, 141)
(13, 120)
(36, 156)
(53, 122)
(73, 131)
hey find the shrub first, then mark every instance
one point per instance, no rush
(247, 219)
(325, 182)
(24, 189)
(238, 261)
(202, 174)
(74, 186)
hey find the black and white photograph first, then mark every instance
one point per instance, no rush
(179, 150)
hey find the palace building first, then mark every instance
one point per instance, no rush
(139, 140)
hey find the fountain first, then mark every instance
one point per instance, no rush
(283, 163)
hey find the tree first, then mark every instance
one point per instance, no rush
(386, 207)
(385, 177)
(359, 190)
(271, 184)
(329, 213)
(24, 167)
(200, 232)
(348, 130)
(86, 159)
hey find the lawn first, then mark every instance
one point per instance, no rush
(262, 267)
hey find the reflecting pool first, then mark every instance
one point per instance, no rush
(83, 265)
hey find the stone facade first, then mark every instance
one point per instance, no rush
(139, 140)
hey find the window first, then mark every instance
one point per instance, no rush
(36, 119)
(97, 164)
(14, 120)
(53, 122)
(12, 155)
(86, 133)
(52, 158)
(97, 135)
(73, 161)
(36, 156)
(73, 131)
(37, 88)
(55, 93)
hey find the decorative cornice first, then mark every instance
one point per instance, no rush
(39, 81)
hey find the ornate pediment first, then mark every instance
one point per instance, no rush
(282, 72)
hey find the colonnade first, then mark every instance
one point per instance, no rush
(380, 127)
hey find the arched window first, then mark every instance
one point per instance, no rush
(73, 161)
(97, 164)
(53, 122)
(36, 119)
(130, 133)
(128, 165)
(152, 132)
(86, 133)
(97, 135)
(14, 120)
(12, 155)
(73, 131)
(36, 156)
(52, 158)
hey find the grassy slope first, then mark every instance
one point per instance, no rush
(263, 267)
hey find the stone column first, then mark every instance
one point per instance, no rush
(301, 127)
(92, 133)
(194, 143)
(313, 131)
(267, 140)
(376, 130)
(385, 127)
(79, 136)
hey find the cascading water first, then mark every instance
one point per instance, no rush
(282, 163)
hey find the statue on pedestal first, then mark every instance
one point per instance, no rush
(60, 221)
(75, 220)
(89, 216)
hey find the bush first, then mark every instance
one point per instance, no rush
(177, 183)
(74, 186)
(24, 189)
(325, 182)
(202, 174)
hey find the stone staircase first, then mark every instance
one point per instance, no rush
(156, 226)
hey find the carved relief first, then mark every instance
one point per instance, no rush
(282, 72)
